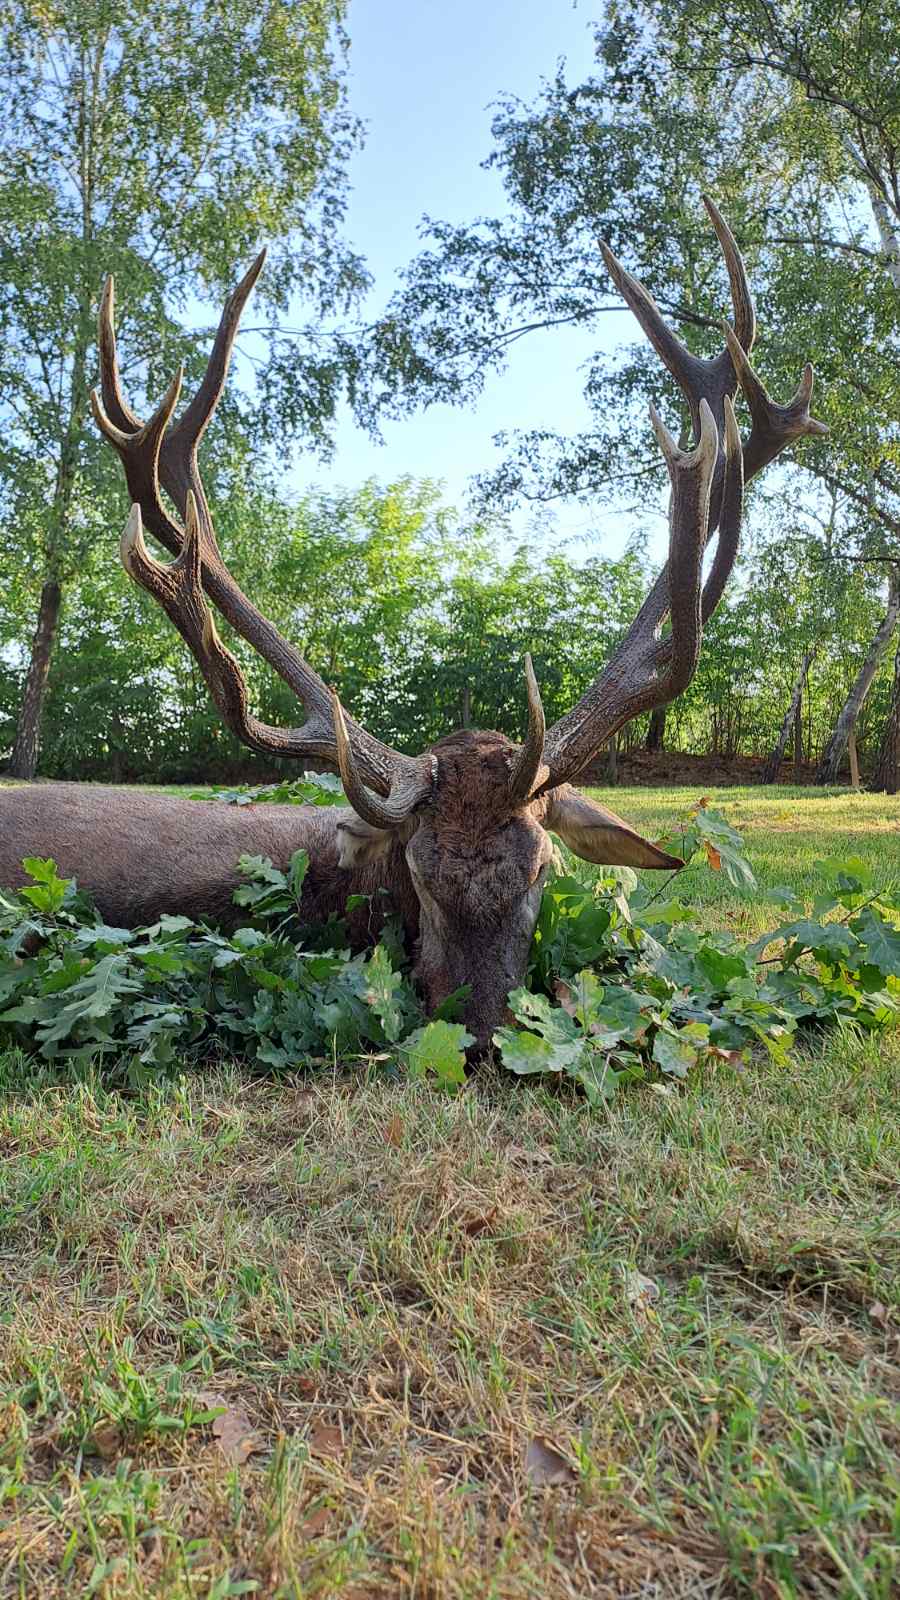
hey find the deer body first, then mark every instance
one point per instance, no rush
(466, 882)
(459, 833)
(142, 854)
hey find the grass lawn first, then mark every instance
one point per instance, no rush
(787, 831)
(685, 1312)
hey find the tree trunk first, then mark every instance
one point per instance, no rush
(28, 733)
(884, 221)
(798, 735)
(612, 762)
(791, 723)
(886, 777)
(657, 730)
(854, 760)
(466, 707)
(832, 755)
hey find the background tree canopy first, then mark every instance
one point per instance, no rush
(165, 142)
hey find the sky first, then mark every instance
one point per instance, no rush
(423, 76)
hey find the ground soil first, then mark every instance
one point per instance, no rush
(671, 768)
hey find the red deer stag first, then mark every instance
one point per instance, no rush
(459, 834)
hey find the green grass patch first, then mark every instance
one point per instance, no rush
(786, 831)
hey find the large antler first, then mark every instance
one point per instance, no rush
(155, 454)
(649, 669)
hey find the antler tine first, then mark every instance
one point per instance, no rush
(772, 427)
(190, 428)
(138, 451)
(192, 425)
(729, 518)
(698, 378)
(691, 476)
(150, 454)
(528, 771)
(685, 368)
(114, 401)
(741, 293)
(406, 794)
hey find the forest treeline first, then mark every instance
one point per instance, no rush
(422, 627)
(164, 142)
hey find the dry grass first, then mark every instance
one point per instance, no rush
(400, 1294)
(393, 1295)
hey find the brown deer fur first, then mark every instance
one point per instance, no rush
(140, 854)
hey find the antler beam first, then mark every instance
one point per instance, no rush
(647, 669)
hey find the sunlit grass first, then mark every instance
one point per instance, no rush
(786, 832)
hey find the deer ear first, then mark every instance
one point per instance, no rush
(598, 835)
(359, 843)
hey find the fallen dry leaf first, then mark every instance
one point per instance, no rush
(473, 1226)
(232, 1428)
(304, 1105)
(735, 1058)
(234, 1431)
(544, 1464)
(152, 1549)
(534, 1155)
(393, 1133)
(878, 1312)
(566, 997)
(107, 1440)
(640, 1292)
(208, 1400)
(713, 857)
(315, 1523)
(326, 1440)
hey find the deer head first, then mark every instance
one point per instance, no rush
(473, 813)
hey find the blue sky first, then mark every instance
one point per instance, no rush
(423, 75)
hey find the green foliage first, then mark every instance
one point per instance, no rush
(705, 831)
(179, 991)
(437, 1051)
(623, 985)
(48, 890)
(626, 986)
(313, 789)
